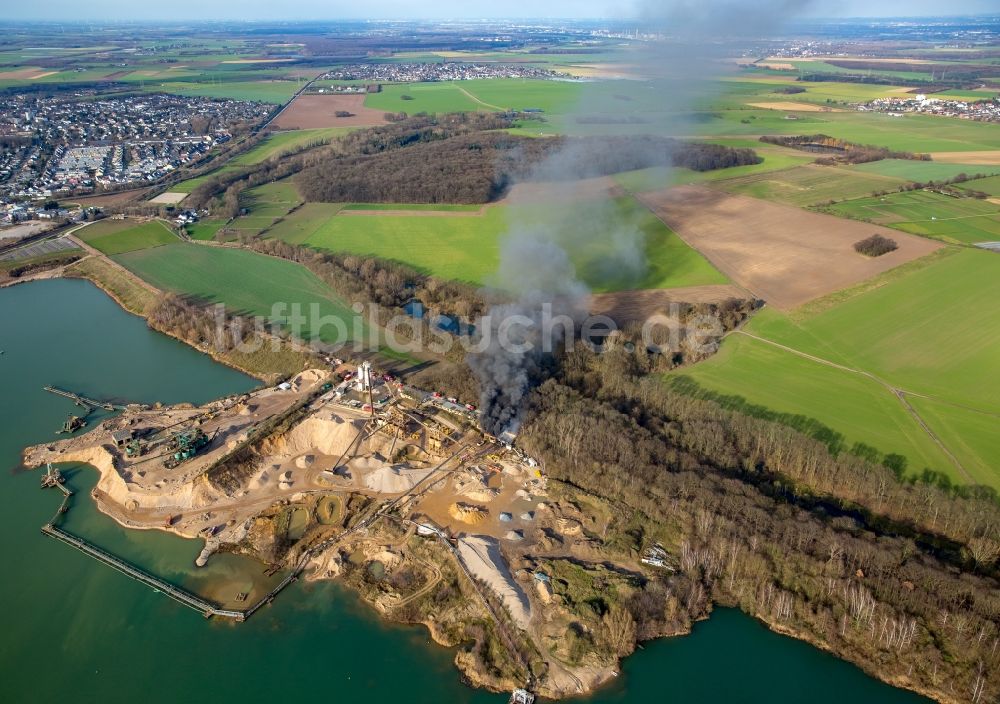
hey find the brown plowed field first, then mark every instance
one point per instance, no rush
(782, 254)
(984, 157)
(315, 110)
(627, 306)
(103, 199)
(789, 106)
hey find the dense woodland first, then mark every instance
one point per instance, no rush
(898, 577)
(461, 158)
(479, 167)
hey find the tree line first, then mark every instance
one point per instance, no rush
(845, 152)
(435, 166)
(456, 158)
(897, 576)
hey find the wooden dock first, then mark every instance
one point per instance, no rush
(83, 400)
(52, 478)
(176, 593)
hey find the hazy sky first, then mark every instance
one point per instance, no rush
(433, 9)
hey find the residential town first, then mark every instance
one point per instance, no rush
(979, 110)
(445, 71)
(85, 142)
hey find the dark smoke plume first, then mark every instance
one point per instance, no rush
(543, 267)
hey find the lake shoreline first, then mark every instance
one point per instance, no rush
(432, 625)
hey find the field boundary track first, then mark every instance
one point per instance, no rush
(480, 101)
(899, 393)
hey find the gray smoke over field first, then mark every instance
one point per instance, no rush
(564, 228)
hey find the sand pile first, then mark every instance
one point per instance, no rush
(114, 486)
(315, 434)
(306, 379)
(544, 590)
(482, 556)
(363, 464)
(395, 479)
(305, 461)
(467, 513)
(480, 493)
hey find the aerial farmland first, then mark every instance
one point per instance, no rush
(547, 338)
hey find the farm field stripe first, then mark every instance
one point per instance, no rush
(481, 102)
(900, 394)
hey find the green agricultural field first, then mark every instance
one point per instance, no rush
(192, 183)
(466, 247)
(245, 282)
(204, 229)
(265, 204)
(419, 207)
(913, 133)
(597, 107)
(266, 91)
(930, 328)
(747, 88)
(809, 184)
(556, 97)
(972, 436)
(304, 222)
(776, 159)
(271, 199)
(439, 97)
(985, 185)
(924, 171)
(835, 407)
(284, 142)
(905, 77)
(960, 220)
(118, 236)
(463, 247)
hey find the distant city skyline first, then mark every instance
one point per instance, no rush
(267, 10)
